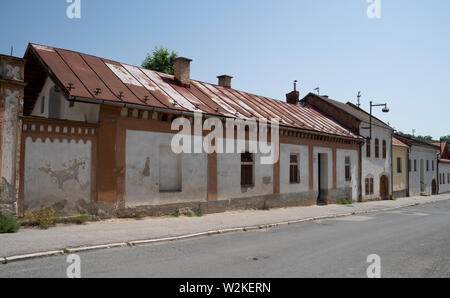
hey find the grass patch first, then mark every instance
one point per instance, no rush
(176, 214)
(140, 215)
(8, 224)
(345, 201)
(78, 220)
(199, 213)
(393, 198)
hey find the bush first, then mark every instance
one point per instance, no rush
(8, 224)
(44, 218)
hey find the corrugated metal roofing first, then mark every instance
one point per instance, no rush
(89, 77)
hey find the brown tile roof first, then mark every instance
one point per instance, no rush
(89, 77)
(397, 142)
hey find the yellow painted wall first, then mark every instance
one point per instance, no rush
(400, 179)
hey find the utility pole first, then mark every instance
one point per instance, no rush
(359, 99)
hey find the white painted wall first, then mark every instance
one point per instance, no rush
(57, 172)
(141, 190)
(340, 170)
(285, 152)
(83, 112)
(422, 153)
(376, 167)
(229, 177)
(444, 168)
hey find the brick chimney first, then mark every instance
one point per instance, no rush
(182, 71)
(225, 81)
(294, 96)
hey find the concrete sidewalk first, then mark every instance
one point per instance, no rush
(123, 231)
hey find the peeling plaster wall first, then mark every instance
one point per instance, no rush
(57, 175)
(9, 135)
(142, 177)
(78, 112)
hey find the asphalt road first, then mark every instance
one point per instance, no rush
(411, 242)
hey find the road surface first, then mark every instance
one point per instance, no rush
(411, 242)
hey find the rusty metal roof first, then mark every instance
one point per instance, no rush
(89, 77)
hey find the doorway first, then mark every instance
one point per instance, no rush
(384, 188)
(323, 178)
(434, 187)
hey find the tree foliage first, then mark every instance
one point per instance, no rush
(426, 139)
(161, 59)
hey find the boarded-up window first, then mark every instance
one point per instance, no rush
(247, 169)
(348, 171)
(368, 149)
(428, 165)
(377, 148)
(294, 173)
(169, 170)
(369, 186)
(384, 149)
(399, 164)
(415, 165)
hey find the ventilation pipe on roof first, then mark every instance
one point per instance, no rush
(225, 81)
(294, 96)
(182, 71)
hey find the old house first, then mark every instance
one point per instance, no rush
(376, 152)
(96, 138)
(400, 158)
(422, 165)
(443, 167)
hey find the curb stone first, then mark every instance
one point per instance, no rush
(197, 235)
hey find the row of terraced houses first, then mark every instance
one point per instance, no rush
(86, 135)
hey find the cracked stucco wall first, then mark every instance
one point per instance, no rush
(58, 175)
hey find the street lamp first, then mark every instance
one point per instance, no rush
(384, 110)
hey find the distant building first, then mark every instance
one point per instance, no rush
(422, 165)
(400, 158)
(444, 166)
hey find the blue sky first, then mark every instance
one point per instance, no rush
(402, 59)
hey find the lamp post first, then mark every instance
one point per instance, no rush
(372, 105)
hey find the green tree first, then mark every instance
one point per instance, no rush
(160, 60)
(446, 139)
(426, 139)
